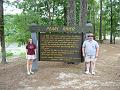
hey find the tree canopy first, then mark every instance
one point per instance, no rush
(54, 12)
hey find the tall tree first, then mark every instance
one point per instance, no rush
(83, 12)
(71, 15)
(93, 8)
(111, 32)
(2, 33)
(65, 12)
(71, 12)
(100, 31)
(94, 17)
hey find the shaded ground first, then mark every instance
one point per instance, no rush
(61, 76)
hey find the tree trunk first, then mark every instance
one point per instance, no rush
(83, 13)
(71, 13)
(53, 13)
(94, 19)
(2, 33)
(114, 39)
(100, 31)
(71, 16)
(111, 32)
(104, 32)
(104, 35)
(65, 15)
(49, 13)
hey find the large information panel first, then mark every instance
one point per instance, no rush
(60, 47)
(60, 43)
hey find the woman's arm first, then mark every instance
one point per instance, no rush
(26, 52)
(35, 51)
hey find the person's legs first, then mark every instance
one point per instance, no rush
(28, 67)
(31, 61)
(93, 67)
(87, 67)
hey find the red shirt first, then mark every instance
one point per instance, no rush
(31, 49)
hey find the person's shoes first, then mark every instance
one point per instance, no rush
(86, 72)
(32, 72)
(93, 73)
(28, 73)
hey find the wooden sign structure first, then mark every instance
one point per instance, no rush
(59, 43)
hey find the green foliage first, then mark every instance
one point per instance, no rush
(22, 54)
(115, 15)
(17, 28)
(51, 12)
(9, 54)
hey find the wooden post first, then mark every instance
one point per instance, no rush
(35, 62)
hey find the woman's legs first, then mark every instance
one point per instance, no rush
(28, 67)
(31, 61)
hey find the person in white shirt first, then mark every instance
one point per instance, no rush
(90, 49)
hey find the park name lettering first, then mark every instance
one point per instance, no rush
(52, 29)
(68, 29)
(56, 29)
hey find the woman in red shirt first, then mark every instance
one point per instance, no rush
(30, 55)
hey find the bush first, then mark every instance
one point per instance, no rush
(22, 54)
(9, 54)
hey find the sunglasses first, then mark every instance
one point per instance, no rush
(90, 36)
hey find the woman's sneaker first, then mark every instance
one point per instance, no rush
(32, 72)
(28, 73)
(87, 72)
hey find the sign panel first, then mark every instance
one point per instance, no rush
(60, 47)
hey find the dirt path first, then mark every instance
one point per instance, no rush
(61, 76)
